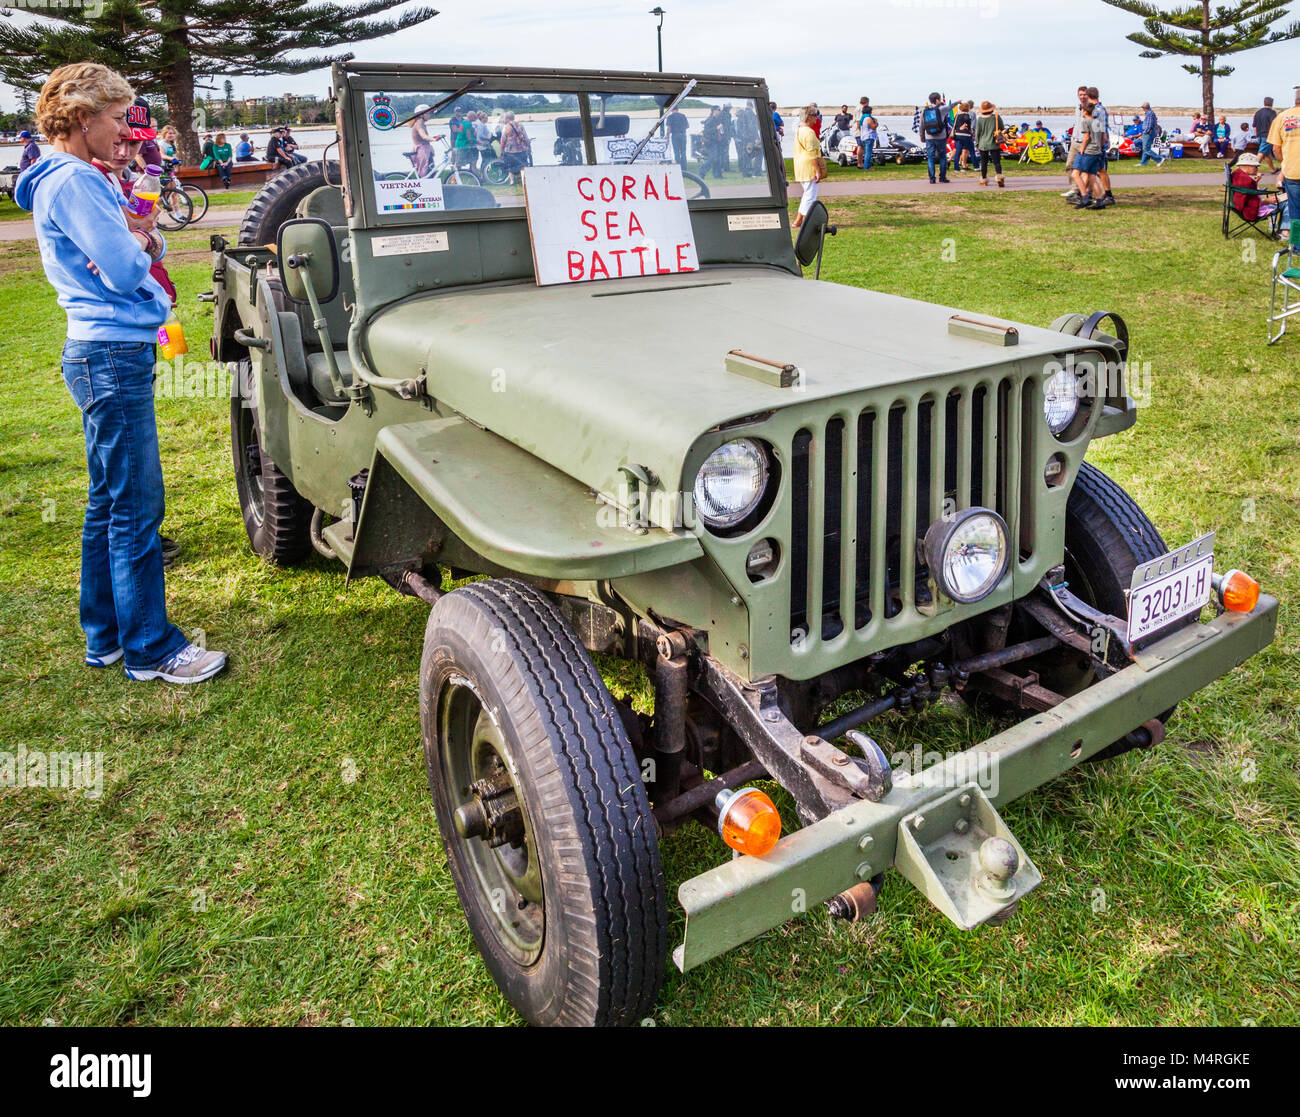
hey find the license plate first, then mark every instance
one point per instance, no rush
(1170, 587)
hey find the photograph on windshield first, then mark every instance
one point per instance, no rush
(439, 150)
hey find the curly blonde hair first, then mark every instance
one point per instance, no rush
(82, 87)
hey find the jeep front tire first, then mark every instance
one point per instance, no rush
(544, 817)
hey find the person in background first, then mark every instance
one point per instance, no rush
(244, 149)
(678, 126)
(31, 151)
(422, 158)
(728, 135)
(777, 122)
(1076, 139)
(167, 147)
(963, 138)
(1088, 162)
(276, 155)
(1222, 137)
(815, 121)
(1242, 138)
(516, 148)
(464, 150)
(989, 134)
(207, 156)
(150, 154)
(98, 261)
(1245, 174)
(223, 158)
(483, 140)
(1101, 119)
(1150, 133)
(842, 123)
(290, 145)
(1284, 138)
(1262, 124)
(935, 129)
(868, 134)
(711, 141)
(1202, 134)
(749, 142)
(809, 166)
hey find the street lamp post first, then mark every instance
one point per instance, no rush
(659, 31)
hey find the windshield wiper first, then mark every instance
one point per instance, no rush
(443, 103)
(659, 123)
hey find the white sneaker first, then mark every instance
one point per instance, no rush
(105, 660)
(1070, 194)
(191, 664)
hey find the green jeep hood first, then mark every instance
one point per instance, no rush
(592, 376)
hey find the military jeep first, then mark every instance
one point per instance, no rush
(795, 535)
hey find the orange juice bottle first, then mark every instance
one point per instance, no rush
(171, 338)
(146, 190)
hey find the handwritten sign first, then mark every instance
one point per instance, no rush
(608, 222)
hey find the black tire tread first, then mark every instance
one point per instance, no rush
(284, 535)
(276, 202)
(628, 940)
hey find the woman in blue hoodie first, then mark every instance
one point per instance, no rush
(98, 261)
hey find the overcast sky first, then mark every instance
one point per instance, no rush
(1011, 51)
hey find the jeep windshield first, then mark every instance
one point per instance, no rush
(434, 147)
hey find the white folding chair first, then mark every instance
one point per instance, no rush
(1286, 278)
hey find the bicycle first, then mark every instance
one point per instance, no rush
(180, 203)
(446, 169)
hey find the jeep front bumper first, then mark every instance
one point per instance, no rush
(741, 899)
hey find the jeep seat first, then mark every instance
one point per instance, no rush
(318, 374)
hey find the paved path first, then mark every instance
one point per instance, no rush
(217, 217)
(226, 216)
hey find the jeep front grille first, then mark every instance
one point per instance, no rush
(866, 485)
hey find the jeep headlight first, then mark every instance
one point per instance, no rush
(968, 553)
(730, 483)
(1061, 398)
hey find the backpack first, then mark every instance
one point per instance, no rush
(932, 123)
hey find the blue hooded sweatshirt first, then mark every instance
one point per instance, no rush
(79, 218)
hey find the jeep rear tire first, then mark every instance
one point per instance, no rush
(544, 817)
(278, 201)
(276, 518)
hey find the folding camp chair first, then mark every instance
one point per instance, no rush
(1265, 222)
(1286, 276)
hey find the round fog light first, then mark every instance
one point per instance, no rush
(968, 554)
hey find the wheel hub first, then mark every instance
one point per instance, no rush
(492, 813)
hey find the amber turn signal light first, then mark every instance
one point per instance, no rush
(1238, 591)
(748, 821)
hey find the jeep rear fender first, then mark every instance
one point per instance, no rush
(442, 481)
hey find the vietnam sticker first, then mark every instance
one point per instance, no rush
(381, 112)
(397, 195)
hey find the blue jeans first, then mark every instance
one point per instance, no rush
(868, 146)
(122, 598)
(1292, 214)
(1148, 138)
(937, 150)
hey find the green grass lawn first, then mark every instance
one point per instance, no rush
(264, 851)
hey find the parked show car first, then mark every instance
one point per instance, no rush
(676, 472)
